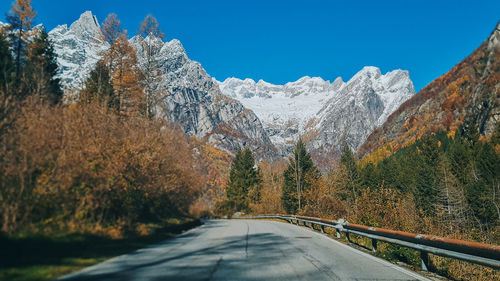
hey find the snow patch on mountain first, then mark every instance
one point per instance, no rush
(317, 109)
(187, 95)
(78, 49)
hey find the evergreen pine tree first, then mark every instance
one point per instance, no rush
(427, 177)
(369, 176)
(349, 162)
(483, 193)
(244, 178)
(7, 77)
(41, 69)
(98, 88)
(469, 131)
(460, 157)
(451, 205)
(298, 178)
(7, 66)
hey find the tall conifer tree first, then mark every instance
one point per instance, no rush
(7, 76)
(298, 178)
(98, 88)
(7, 67)
(244, 179)
(40, 71)
(349, 162)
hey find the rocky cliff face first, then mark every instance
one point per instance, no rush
(78, 49)
(324, 113)
(469, 92)
(187, 97)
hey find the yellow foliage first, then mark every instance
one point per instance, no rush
(378, 155)
(452, 131)
(89, 162)
(452, 88)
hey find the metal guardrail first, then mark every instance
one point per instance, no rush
(473, 252)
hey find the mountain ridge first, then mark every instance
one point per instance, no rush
(469, 93)
(189, 97)
(325, 113)
(311, 107)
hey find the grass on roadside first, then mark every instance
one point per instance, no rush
(45, 258)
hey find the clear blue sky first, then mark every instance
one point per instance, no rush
(283, 40)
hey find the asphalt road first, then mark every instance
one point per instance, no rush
(246, 250)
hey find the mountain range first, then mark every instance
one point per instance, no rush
(243, 113)
(324, 113)
(189, 97)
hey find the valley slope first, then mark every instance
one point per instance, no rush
(469, 95)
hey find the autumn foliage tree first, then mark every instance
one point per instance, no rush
(20, 19)
(150, 41)
(270, 192)
(121, 60)
(83, 167)
(111, 28)
(91, 169)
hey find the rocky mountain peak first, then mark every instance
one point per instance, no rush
(368, 72)
(86, 27)
(175, 46)
(188, 96)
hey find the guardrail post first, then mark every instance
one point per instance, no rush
(424, 260)
(322, 229)
(339, 227)
(348, 236)
(374, 245)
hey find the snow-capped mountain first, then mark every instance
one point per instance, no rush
(188, 95)
(78, 49)
(323, 112)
